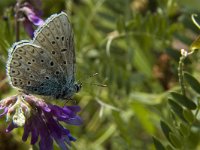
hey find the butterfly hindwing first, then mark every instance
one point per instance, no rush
(30, 69)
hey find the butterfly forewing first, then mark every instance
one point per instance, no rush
(56, 37)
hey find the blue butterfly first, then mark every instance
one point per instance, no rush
(45, 65)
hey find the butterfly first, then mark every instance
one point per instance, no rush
(45, 65)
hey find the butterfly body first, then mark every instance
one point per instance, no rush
(46, 65)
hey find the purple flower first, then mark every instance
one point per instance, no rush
(40, 120)
(31, 16)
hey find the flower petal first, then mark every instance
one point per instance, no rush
(71, 138)
(74, 121)
(2, 107)
(10, 127)
(38, 102)
(29, 28)
(72, 109)
(4, 112)
(54, 127)
(31, 15)
(35, 19)
(46, 142)
(61, 144)
(27, 129)
(59, 133)
(58, 112)
(34, 132)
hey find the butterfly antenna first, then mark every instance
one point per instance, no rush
(96, 84)
(93, 75)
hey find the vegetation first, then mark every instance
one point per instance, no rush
(152, 96)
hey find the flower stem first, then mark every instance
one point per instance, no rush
(180, 74)
(17, 28)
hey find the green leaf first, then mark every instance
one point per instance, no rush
(158, 144)
(196, 44)
(165, 128)
(184, 129)
(183, 100)
(174, 140)
(120, 24)
(176, 108)
(194, 83)
(188, 115)
(169, 147)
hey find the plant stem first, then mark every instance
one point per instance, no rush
(17, 29)
(180, 74)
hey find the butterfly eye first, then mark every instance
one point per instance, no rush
(77, 87)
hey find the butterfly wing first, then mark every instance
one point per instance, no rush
(45, 65)
(56, 37)
(31, 69)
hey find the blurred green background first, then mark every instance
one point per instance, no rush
(134, 45)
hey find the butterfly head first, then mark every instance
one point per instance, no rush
(68, 92)
(77, 87)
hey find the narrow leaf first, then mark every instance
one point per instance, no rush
(165, 128)
(181, 99)
(194, 83)
(174, 140)
(169, 147)
(120, 24)
(177, 109)
(184, 129)
(188, 115)
(158, 145)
